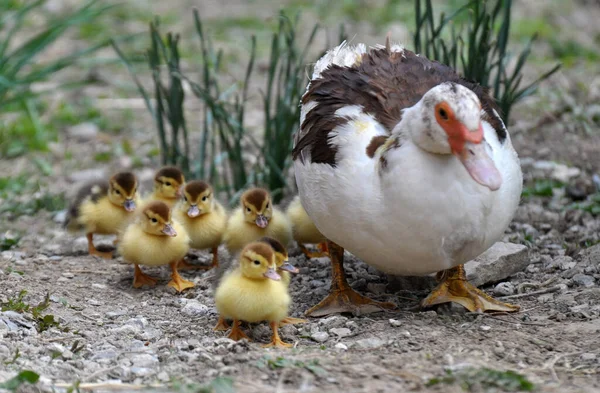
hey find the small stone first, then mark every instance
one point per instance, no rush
(341, 346)
(485, 328)
(67, 355)
(115, 314)
(108, 355)
(94, 302)
(333, 321)
(497, 263)
(98, 286)
(83, 132)
(341, 332)
(320, 337)
(144, 360)
(163, 376)
(194, 308)
(504, 289)
(545, 298)
(587, 357)
(369, 343)
(352, 325)
(141, 371)
(583, 280)
(406, 333)
(395, 322)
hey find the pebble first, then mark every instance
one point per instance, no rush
(406, 333)
(395, 322)
(333, 321)
(504, 289)
(583, 280)
(83, 132)
(320, 337)
(341, 332)
(586, 357)
(194, 308)
(115, 314)
(144, 360)
(485, 328)
(341, 346)
(369, 343)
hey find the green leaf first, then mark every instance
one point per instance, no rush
(25, 376)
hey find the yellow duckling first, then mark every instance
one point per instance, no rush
(168, 182)
(255, 218)
(154, 239)
(204, 219)
(253, 293)
(305, 231)
(102, 207)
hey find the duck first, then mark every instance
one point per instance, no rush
(203, 218)
(304, 230)
(255, 218)
(103, 207)
(406, 165)
(168, 182)
(155, 239)
(253, 293)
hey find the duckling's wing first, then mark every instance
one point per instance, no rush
(92, 191)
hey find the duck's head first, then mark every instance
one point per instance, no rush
(281, 255)
(197, 198)
(257, 207)
(168, 182)
(257, 261)
(447, 120)
(156, 219)
(122, 189)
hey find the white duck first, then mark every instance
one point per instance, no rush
(407, 166)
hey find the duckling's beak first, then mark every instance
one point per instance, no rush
(193, 211)
(129, 205)
(480, 165)
(288, 267)
(169, 230)
(261, 221)
(272, 274)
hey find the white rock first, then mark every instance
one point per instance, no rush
(485, 328)
(320, 337)
(395, 322)
(83, 131)
(504, 289)
(369, 343)
(341, 332)
(406, 333)
(341, 346)
(497, 263)
(194, 308)
(144, 360)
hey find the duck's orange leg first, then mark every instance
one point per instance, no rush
(177, 281)
(140, 279)
(221, 324)
(454, 287)
(92, 249)
(236, 333)
(342, 298)
(314, 254)
(276, 341)
(291, 321)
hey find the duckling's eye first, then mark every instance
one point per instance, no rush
(256, 262)
(117, 192)
(248, 210)
(185, 198)
(154, 220)
(168, 184)
(266, 207)
(204, 198)
(443, 114)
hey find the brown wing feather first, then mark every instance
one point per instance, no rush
(383, 83)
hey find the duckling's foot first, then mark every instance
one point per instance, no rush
(140, 279)
(93, 251)
(342, 298)
(276, 341)
(236, 333)
(455, 288)
(177, 281)
(313, 254)
(221, 325)
(292, 321)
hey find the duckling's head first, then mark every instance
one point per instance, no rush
(257, 261)
(197, 198)
(122, 188)
(257, 207)
(281, 254)
(168, 181)
(156, 219)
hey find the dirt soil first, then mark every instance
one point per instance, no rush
(108, 333)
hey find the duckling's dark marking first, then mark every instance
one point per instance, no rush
(261, 249)
(170, 172)
(375, 143)
(275, 244)
(383, 84)
(159, 208)
(196, 188)
(93, 190)
(256, 197)
(126, 180)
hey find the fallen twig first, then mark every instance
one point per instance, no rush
(555, 288)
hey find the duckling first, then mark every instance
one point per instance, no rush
(103, 207)
(305, 231)
(204, 219)
(254, 292)
(154, 239)
(256, 217)
(168, 182)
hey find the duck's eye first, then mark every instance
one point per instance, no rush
(154, 220)
(185, 198)
(168, 184)
(249, 210)
(443, 113)
(266, 207)
(256, 262)
(204, 198)
(117, 192)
